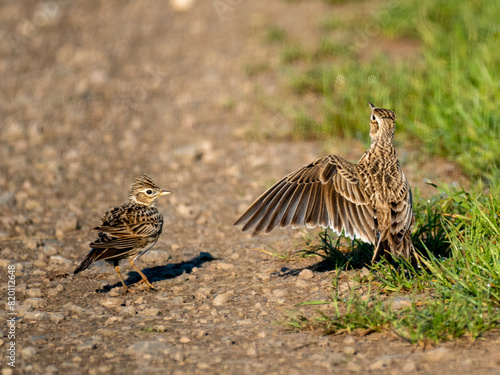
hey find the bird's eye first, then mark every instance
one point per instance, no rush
(373, 118)
(149, 192)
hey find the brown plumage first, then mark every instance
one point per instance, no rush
(130, 230)
(370, 200)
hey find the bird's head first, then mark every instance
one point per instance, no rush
(145, 191)
(382, 123)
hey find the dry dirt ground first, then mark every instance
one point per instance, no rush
(93, 94)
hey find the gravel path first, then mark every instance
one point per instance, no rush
(94, 94)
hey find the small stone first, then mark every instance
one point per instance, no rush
(436, 355)
(152, 311)
(88, 344)
(337, 359)
(203, 293)
(56, 317)
(151, 348)
(113, 319)
(65, 225)
(28, 352)
(224, 266)
(353, 367)
(252, 352)
(128, 310)
(227, 341)
(36, 315)
(57, 259)
(349, 340)
(33, 302)
(184, 340)
(49, 250)
(112, 302)
(400, 302)
(74, 308)
(221, 299)
(380, 364)
(302, 284)
(178, 356)
(349, 350)
(155, 257)
(51, 369)
(409, 367)
(306, 274)
(279, 293)
(365, 272)
(34, 292)
(177, 301)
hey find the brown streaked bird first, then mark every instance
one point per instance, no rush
(370, 200)
(130, 230)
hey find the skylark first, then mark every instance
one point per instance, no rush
(370, 200)
(130, 230)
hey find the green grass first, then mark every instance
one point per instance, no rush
(446, 95)
(453, 289)
(445, 92)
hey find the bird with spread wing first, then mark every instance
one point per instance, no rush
(370, 200)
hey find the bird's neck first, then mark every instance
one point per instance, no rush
(383, 144)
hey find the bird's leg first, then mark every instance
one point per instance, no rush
(144, 278)
(381, 237)
(117, 269)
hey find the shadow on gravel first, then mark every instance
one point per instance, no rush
(160, 273)
(322, 266)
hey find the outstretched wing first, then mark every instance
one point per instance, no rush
(326, 192)
(402, 221)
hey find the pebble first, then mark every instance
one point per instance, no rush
(28, 352)
(349, 340)
(152, 311)
(436, 355)
(151, 348)
(306, 274)
(57, 259)
(112, 302)
(224, 266)
(35, 292)
(56, 317)
(400, 302)
(36, 315)
(279, 293)
(177, 300)
(221, 299)
(409, 367)
(337, 359)
(349, 350)
(353, 367)
(74, 308)
(380, 364)
(157, 257)
(34, 302)
(127, 310)
(184, 340)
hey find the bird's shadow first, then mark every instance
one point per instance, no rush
(322, 266)
(159, 273)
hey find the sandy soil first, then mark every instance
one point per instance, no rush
(95, 93)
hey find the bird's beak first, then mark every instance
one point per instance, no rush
(371, 106)
(165, 192)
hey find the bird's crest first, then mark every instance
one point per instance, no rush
(141, 183)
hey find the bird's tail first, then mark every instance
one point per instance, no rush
(89, 259)
(403, 248)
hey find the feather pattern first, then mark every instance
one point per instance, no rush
(370, 200)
